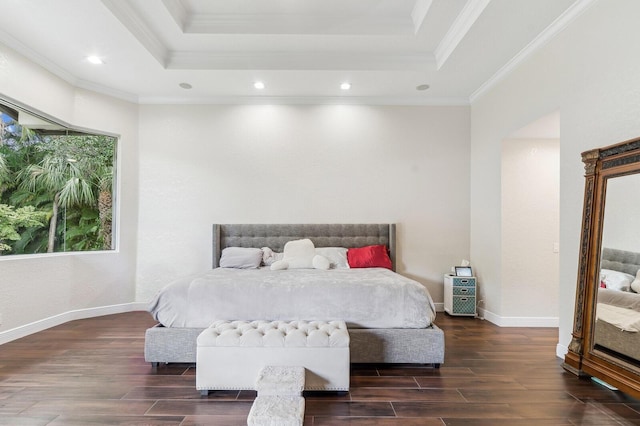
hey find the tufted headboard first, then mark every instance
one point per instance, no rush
(620, 260)
(275, 236)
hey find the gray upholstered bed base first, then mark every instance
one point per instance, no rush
(414, 346)
(623, 342)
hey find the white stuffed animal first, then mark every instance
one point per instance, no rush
(300, 254)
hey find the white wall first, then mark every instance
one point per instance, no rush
(530, 228)
(436, 171)
(201, 165)
(591, 73)
(37, 288)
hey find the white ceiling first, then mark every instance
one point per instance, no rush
(301, 49)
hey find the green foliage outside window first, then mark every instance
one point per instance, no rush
(55, 190)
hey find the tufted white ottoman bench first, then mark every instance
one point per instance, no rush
(231, 354)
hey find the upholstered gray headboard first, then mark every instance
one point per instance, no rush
(275, 236)
(620, 260)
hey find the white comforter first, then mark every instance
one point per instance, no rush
(363, 298)
(623, 318)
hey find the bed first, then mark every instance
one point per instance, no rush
(387, 324)
(618, 306)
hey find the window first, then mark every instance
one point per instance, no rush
(56, 186)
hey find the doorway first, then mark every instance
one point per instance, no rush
(530, 211)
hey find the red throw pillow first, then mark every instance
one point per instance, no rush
(369, 257)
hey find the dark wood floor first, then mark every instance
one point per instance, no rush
(92, 372)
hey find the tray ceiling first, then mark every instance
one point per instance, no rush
(302, 50)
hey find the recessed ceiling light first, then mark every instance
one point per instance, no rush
(95, 60)
(345, 86)
(185, 85)
(258, 85)
(422, 87)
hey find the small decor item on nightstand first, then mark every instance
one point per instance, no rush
(460, 295)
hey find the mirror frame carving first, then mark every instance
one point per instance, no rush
(582, 358)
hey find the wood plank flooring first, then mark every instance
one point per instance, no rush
(92, 372)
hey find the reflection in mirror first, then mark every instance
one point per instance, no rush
(617, 324)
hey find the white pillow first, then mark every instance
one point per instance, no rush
(616, 280)
(337, 256)
(241, 257)
(635, 284)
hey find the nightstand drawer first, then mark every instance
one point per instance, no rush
(464, 291)
(464, 305)
(463, 281)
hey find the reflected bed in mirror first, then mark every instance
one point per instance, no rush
(617, 328)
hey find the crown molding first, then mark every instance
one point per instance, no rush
(299, 61)
(105, 90)
(28, 53)
(460, 27)
(177, 12)
(569, 15)
(123, 11)
(304, 100)
(285, 23)
(54, 69)
(419, 13)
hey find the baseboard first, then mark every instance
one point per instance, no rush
(518, 321)
(34, 327)
(561, 350)
(439, 307)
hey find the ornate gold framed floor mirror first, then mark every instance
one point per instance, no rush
(606, 329)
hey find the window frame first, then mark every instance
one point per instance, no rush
(115, 189)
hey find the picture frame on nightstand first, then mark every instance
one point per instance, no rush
(463, 271)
